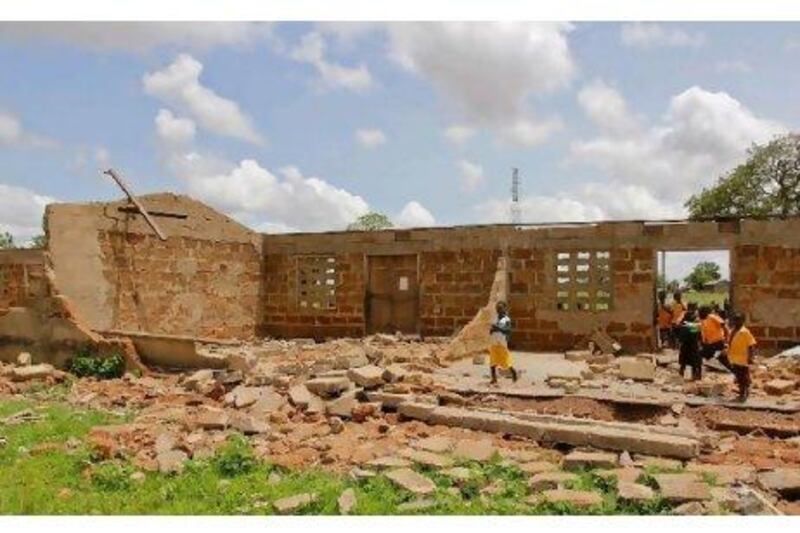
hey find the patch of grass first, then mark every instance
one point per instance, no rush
(235, 458)
(87, 364)
(60, 479)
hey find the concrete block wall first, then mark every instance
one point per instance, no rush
(766, 287)
(282, 315)
(182, 286)
(21, 277)
(454, 285)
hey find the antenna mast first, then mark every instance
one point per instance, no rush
(516, 214)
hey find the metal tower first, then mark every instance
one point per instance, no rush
(516, 214)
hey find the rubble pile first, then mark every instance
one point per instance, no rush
(386, 403)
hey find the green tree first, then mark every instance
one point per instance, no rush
(39, 241)
(370, 222)
(704, 272)
(6, 241)
(768, 183)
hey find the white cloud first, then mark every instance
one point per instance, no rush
(370, 138)
(12, 134)
(471, 175)
(311, 50)
(701, 135)
(414, 215)
(179, 84)
(527, 133)
(733, 67)
(173, 130)
(589, 202)
(249, 192)
(489, 71)
(459, 134)
(137, 37)
(651, 35)
(21, 211)
(607, 108)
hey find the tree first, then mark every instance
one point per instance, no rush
(704, 273)
(768, 183)
(370, 222)
(6, 241)
(39, 241)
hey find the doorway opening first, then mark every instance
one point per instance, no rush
(702, 277)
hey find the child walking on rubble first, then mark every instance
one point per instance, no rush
(499, 356)
(741, 352)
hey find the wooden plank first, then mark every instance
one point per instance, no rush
(111, 172)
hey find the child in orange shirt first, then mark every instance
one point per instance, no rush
(713, 332)
(664, 321)
(741, 351)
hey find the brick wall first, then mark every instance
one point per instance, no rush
(766, 287)
(181, 286)
(282, 315)
(454, 285)
(21, 277)
(539, 325)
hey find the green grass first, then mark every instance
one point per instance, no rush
(55, 479)
(705, 298)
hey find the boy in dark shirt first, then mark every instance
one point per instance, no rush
(688, 334)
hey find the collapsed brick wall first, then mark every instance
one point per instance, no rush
(21, 277)
(766, 281)
(182, 286)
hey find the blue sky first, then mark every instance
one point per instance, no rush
(304, 126)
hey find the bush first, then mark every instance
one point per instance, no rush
(86, 364)
(235, 458)
(112, 477)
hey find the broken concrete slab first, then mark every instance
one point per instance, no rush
(426, 458)
(619, 436)
(295, 503)
(32, 372)
(784, 481)
(411, 481)
(389, 400)
(724, 474)
(369, 376)
(300, 396)
(578, 459)
(343, 405)
(328, 387)
(171, 461)
(389, 462)
(347, 501)
(394, 373)
(627, 474)
(636, 368)
(437, 444)
(210, 418)
(637, 492)
(779, 387)
(538, 467)
(550, 480)
(475, 450)
(682, 488)
(578, 498)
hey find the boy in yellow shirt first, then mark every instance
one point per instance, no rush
(741, 351)
(664, 321)
(499, 356)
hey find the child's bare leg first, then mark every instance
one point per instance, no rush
(513, 373)
(493, 369)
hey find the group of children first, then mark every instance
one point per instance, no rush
(702, 333)
(698, 333)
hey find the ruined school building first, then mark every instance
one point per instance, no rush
(215, 278)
